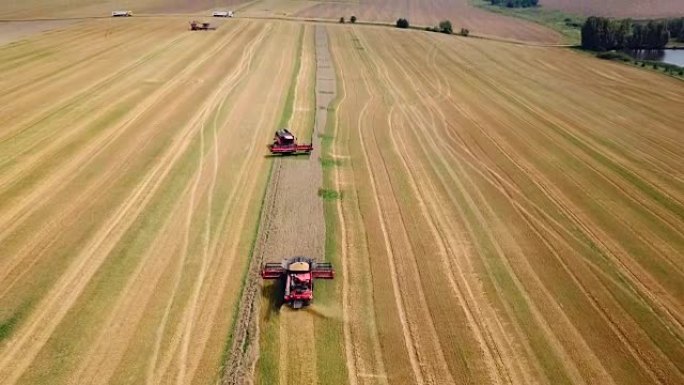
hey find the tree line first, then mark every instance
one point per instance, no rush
(604, 34)
(515, 3)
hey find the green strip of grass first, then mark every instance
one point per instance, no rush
(245, 272)
(289, 102)
(330, 354)
(567, 24)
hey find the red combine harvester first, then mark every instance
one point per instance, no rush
(286, 144)
(298, 274)
(201, 26)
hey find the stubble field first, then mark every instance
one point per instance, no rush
(496, 213)
(506, 226)
(131, 176)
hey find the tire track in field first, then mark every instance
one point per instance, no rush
(523, 212)
(572, 101)
(28, 205)
(408, 336)
(390, 85)
(443, 118)
(38, 148)
(230, 83)
(550, 336)
(189, 322)
(74, 69)
(108, 348)
(352, 359)
(588, 151)
(234, 244)
(504, 192)
(494, 360)
(98, 144)
(84, 94)
(31, 336)
(599, 241)
(55, 129)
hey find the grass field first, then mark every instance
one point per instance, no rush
(496, 213)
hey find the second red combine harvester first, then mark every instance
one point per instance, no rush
(201, 26)
(298, 275)
(286, 144)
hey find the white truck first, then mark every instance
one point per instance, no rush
(223, 14)
(122, 13)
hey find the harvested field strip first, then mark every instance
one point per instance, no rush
(28, 210)
(546, 231)
(328, 308)
(305, 345)
(278, 357)
(150, 205)
(297, 362)
(270, 345)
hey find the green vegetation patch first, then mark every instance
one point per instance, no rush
(329, 194)
(331, 366)
(329, 161)
(567, 24)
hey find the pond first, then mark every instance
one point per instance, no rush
(670, 56)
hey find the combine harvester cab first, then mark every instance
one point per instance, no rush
(285, 143)
(298, 274)
(122, 14)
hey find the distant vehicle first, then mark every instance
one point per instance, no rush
(122, 14)
(223, 14)
(200, 26)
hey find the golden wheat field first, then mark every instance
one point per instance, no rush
(496, 213)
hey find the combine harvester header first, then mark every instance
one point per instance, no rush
(298, 274)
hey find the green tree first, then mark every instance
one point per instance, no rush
(353, 19)
(446, 27)
(402, 23)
